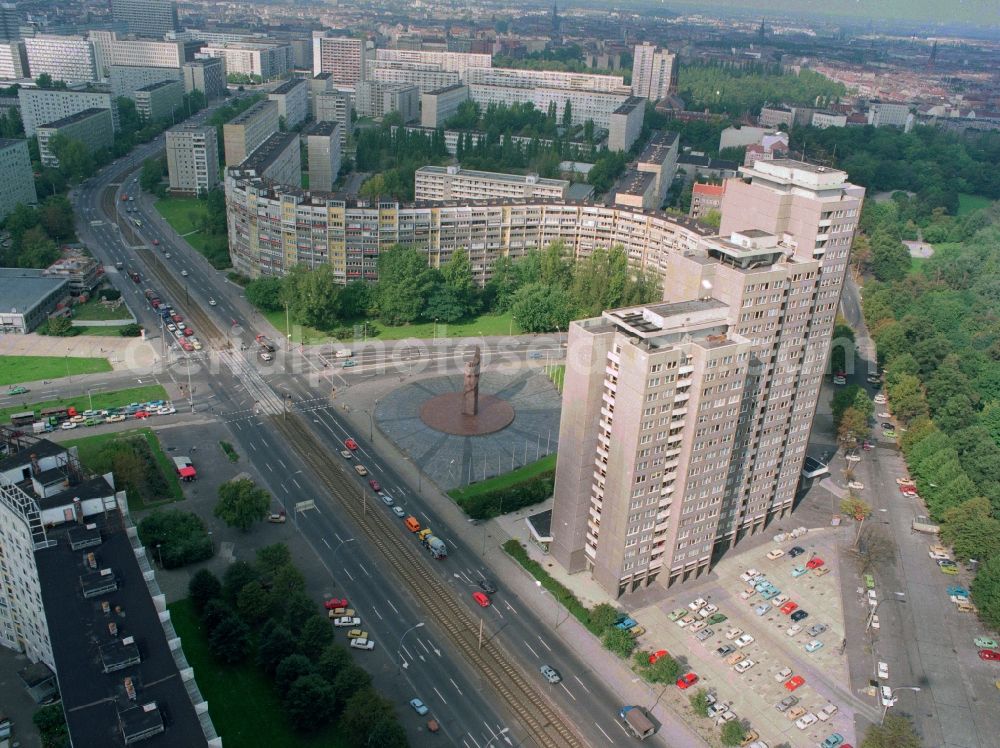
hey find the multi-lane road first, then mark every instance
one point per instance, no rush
(248, 394)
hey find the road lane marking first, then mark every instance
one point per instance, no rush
(253, 446)
(268, 466)
(439, 694)
(283, 465)
(544, 644)
(325, 543)
(496, 610)
(567, 690)
(296, 484)
(581, 683)
(456, 687)
(605, 734)
(531, 650)
(377, 613)
(392, 606)
(421, 642)
(348, 574)
(364, 569)
(511, 608)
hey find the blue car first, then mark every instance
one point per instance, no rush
(770, 592)
(762, 609)
(419, 707)
(762, 586)
(626, 623)
(833, 741)
(798, 571)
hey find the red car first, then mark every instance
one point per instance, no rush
(814, 563)
(350, 444)
(794, 682)
(141, 414)
(657, 655)
(177, 318)
(187, 346)
(188, 331)
(376, 486)
(482, 599)
(789, 607)
(335, 602)
(989, 654)
(686, 681)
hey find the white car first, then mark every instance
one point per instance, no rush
(775, 553)
(184, 273)
(743, 666)
(883, 670)
(685, 621)
(778, 601)
(805, 720)
(879, 399)
(840, 380)
(784, 674)
(68, 425)
(697, 626)
(734, 633)
(399, 511)
(347, 621)
(211, 302)
(166, 410)
(744, 641)
(826, 712)
(875, 622)
(856, 485)
(708, 610)
(793, 630)
(172, 327)
(697, 604)
(362, 644)
(748, 593)
(885, 414)
(748, 575)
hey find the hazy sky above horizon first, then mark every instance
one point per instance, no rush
(980, 12)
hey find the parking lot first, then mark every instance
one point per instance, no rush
(752, 695)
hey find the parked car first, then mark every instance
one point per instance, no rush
(376, 486)
(989, 654)
(799, 615)
(734, 634)
(367, 644)
(784, 674)
(806, 720)
(883, 670)
(833, 741)
(789, 608)
(725, 650)
(387, 499)
(685, 621)
(794, 682)
(985, 642)
(786, 703)
(817, 629)
(775, 553)
(18, 390)
(657, 655)
(814, 563)
(708, 610)
(795, 712)
(748, 575)
(798, 571)
(813, 645)
(717, 618)
(399, 511)
(744, 641)
(346, 621)
(361, 470)
(687, 680)
(350, 444)
(704, 634)
(335, 602)
(676, 614)
(826, 712)
(796, 551)
(697, 605)
(742, 667)
(697, 626)
(762, 609)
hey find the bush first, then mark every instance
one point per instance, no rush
(561, 593)
(517, 496)
(230, 451)
(109, 294)
(619, 641)
(699, 702)
(175, 538)
(51, 724)
(130, 331)
(732, 733)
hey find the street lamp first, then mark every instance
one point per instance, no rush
(558, 604)
(90, 397)
(399, 646)
(339, 546)
(887, 704)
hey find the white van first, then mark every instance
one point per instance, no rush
(344, 353)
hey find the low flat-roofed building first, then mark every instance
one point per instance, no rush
(706, 197)
(92, 127)
(28, 298)
(636, 189)
(453, 183)
(278, 159)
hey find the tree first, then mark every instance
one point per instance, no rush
(665, 670)
(254, 603)
(457, 276)
(290, 670)
(55, 216)
(363, 711)
(699, 702)
(855, 507)
(266, 293)
(315, 636)
(130, 331)
(712, 218)
(907, 397)
(276, 643)
(51, 723)
(541, 308)
(986, 592)
(334, 660)
(287, 580)
(270, 558)
(175, 538)
(59, 327)
(602, 617)
(732, 733)
(238, 574)
(44, 81)
(853, 427)
(971, 530)
(152, 173)
(874, 548)
(349, 681)
(229, 642)
(298, 608)
(309, 703)
(37, 250)
(202, 587)
(890, 258)
(405, 284)
(241, 503)
(895, 731)
(618, 641)
(445, 305)
(567, 115)
(387, 733)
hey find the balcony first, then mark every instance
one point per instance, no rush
(683, 371)
(682, 397)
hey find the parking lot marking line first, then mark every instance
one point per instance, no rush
(283, 465)
(392, 606)
(581, 683)
(567, 690)
(326, 543)
(544, 644)
(531, 650)
(421, 642)
(456, 687)
(605, 734)
(348, 574)
(408, 653)
(465, 743)
(268, 466)
(439, 695)
(253, 446)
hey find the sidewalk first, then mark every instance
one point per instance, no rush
(491, 536)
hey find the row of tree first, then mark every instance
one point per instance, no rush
(260, 612)
(938, 336)
(543, 290)
(37, 232)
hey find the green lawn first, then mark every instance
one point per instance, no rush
(486, 324)
(16, 369)
(88, 448)
(968, 203)
(544, 465)
(93, 309)
(102, 331)
(100, 399)
(184, 214)
(244, 706)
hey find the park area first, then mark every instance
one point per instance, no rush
(189, 217)
(18, 369)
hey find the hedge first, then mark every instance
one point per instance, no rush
(562, 593)
(517, 496)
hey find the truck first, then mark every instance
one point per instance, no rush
(41, 427)
(435, 545)
(266, 343)
(636, 722)
(185, 468)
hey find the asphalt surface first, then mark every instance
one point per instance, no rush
(241, 391)
(925, 640)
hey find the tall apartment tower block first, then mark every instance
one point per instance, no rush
(654, 72)
(147, 17)
(690, 418)
(323, 149)
(192, 158)
(343, 57)
(245, 132)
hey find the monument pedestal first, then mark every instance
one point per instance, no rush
(444, 413)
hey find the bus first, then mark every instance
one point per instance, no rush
(22, 419)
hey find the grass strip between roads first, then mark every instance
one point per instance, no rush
(244, 707)
(101, 400)
(527, 472)
(17, 369)
(484, 325)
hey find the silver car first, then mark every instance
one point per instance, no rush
(550, 673)
(786, 703)
(386, 499)
(704, 634)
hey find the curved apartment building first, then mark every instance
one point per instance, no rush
(274, 227)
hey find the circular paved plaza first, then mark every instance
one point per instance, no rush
(452, 460)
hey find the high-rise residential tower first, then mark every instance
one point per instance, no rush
(147, 17)
(342, 56)
(654, 72)
(690, 418)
